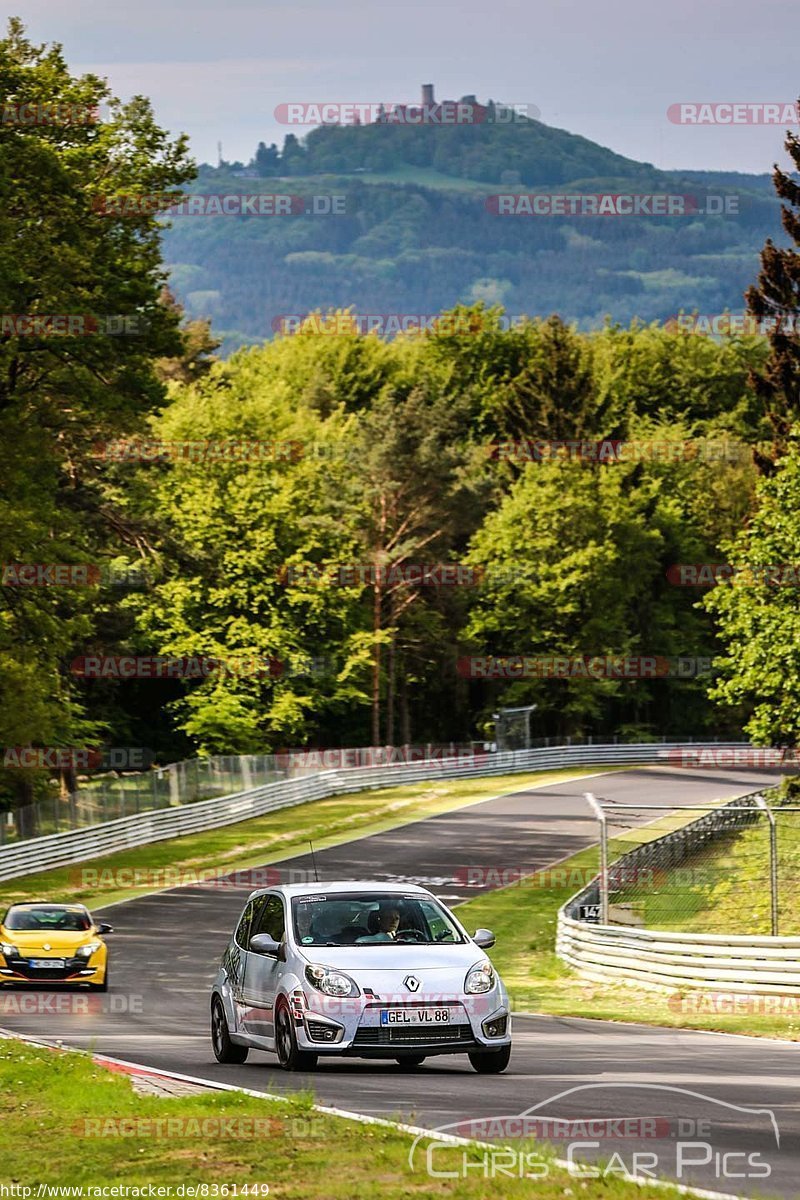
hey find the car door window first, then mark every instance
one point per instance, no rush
(271, 919)
(249, 921)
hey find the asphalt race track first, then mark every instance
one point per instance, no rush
(165, 949)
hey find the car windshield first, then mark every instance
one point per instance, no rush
(33, 920)
(374, 918)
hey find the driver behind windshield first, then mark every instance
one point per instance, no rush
(383, 924)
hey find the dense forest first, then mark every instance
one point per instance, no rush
(358, 540)
(415, 229)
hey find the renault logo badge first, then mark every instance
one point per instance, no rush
(412, 983)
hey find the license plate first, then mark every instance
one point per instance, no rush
(415, 1016)
(47, 963)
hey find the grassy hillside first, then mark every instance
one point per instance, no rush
(413, 240)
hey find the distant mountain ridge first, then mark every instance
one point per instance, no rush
(418, 234)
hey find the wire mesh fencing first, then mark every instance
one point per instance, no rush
(731, 869)
(112, 796)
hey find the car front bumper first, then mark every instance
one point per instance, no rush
(75, 970)
(361, 1033)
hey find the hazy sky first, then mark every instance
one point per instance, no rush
(608, 70)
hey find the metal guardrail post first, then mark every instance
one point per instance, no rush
(597, 809)
(773, 861)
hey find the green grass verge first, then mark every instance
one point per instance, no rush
(735, 895)
(264, 839)
(60, 1116)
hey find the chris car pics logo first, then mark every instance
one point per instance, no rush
(622, 1133)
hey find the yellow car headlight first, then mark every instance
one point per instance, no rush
(88, 950)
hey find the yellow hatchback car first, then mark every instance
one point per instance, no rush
(53, 943)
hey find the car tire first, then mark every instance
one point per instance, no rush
(411, 1061)
(225, 1051)
(290, 1056)
(490, 1062)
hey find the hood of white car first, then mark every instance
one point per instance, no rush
(386, 958)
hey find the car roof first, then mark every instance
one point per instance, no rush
(32, 904)
(331, 887)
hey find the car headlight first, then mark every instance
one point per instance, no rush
(8, 950)
(331, 982)
(88, 951)
(480, 978)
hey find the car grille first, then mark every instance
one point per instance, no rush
(22, 967)
(382, 1035)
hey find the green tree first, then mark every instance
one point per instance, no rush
(267, 160)
(61, 393)
(418, 507)
(254, 527)
(576, 560)
(775, 302)
(758, 614)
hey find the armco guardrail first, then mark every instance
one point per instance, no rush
(61, 849)
(669, 961)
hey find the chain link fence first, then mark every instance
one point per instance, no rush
(732, 870)
(112, 796)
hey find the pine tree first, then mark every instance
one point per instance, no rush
(775, 303)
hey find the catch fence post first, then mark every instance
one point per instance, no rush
(773, 862)
(597, 809)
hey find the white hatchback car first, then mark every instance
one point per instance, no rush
(359, 969)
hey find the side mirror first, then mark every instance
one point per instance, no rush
(102, 927)
(483, 938)
(262, 943)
